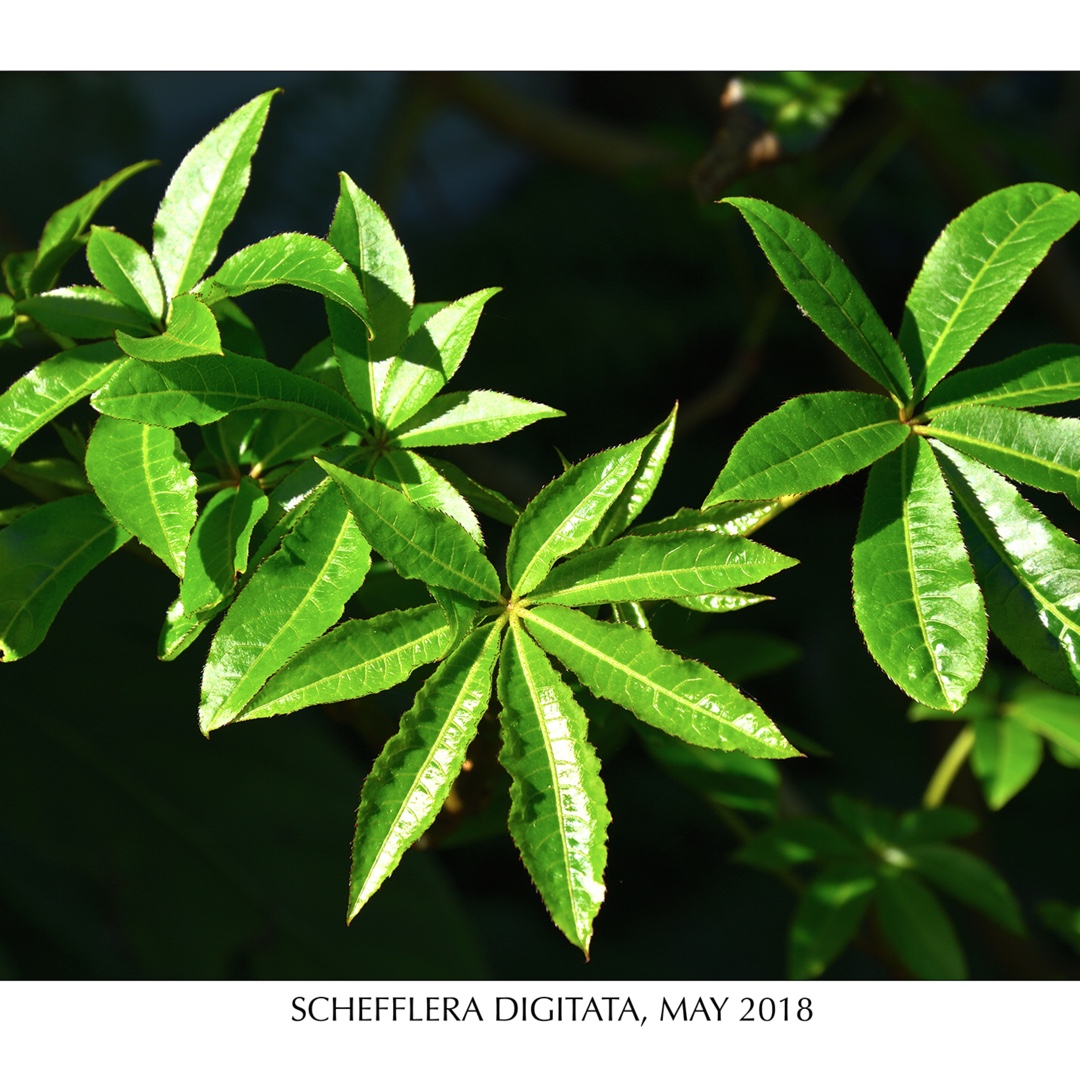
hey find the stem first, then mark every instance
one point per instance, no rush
(948, 767)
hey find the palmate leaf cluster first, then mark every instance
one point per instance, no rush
(270, 494)
(946, 545)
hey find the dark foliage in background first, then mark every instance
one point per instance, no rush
(130, 847)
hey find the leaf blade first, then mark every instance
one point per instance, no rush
(470, 416)
(191, 330)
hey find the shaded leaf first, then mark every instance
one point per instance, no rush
(800, 840)
(809, 443)
(558, 806)
(84, 311)
(144, 478)
(918, 928)
(1005, 757)
(487, 501)
(44, 554)
(1053, 716)
(828, 918)
(974, 269)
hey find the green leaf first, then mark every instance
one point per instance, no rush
(202, 390)
(289, 259)
(124, 267)
(493, 503)
(144, 478)
(217, 553)
(7, 318)
(1053, 716)
(204, 195)
(736, 518)
(934, 824)
(828, 293)
(970, 880)
(421, 543)
(916, 600)
(918, 928)
(974, 269)
(63, 232)
(828, 918)
(800, 840)
(1064, 920)
(1005, 757)
(426, 362)
(659, 568)
(44, 392)
(426, 486)
(363, 235)
(469, 416)
(1044, 376)
(412, 777)
(558, 807)
(292, 598)
(1028, 569)
(357, 658)
(1043, 451)
(191, 331)
(238, 333)
(84, 311)
(808, 443)
(639, 489)
(563, 515)
(682, 697)
(44, 554)
(720, 603)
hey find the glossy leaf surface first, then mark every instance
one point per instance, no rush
(292, 598)
(357, 658)
(809, 443)
(421, 543)
(918, 928)
(828, 293)
(427, 360)
(1043, 451)
(916, 600)
(144, 478)
(426, 486)
(191, 330)
(411, 778)
(558, 806)
(84, 311)
(682, 697)
(44, 554)
(639, 489)
(974, 269)
(562, 516)
(203, 196)
(202, 390)
(1043, 376)
(736, 518)
(469, 416)
(45, 391)
(290, 259)
(124, 267)
(828, 918)
(659, 568)
(1029, 570)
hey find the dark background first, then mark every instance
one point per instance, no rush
(130, 847)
